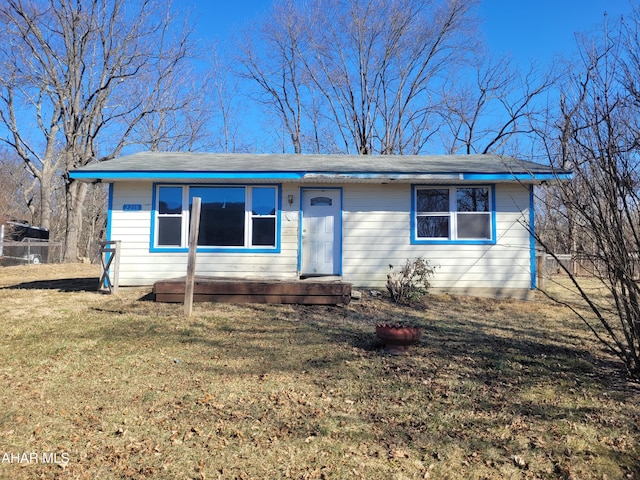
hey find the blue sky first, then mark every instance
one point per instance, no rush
(529, 29)
(539, 29)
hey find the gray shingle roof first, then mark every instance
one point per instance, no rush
(151, 164)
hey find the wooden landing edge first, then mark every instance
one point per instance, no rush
(255, 291)
(275, 299)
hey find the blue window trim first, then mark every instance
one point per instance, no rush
(153, 248)
(414, 237)
(340, 190)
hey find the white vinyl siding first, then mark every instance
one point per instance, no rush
(376, 233)
(140, 266)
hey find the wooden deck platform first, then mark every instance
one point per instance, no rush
(226, 290)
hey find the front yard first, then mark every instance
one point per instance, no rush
(99, 386)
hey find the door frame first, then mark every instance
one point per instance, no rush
(338, 229)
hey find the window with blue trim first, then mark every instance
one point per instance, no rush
(169, 216)
(452, 214)
(231, 216)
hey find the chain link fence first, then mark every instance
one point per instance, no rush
(30, 251)
(581, 265)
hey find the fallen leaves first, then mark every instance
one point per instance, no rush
(275, 391)
(398, 453)
(519, 461)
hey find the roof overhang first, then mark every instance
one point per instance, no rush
(313, 169)
(317, 177)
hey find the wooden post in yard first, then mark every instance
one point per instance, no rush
(191, 261)
(116, 267)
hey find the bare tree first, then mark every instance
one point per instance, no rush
(95, 221)
(16, 192)
(362, 74)
(483, 116)
(274, 63)
(79, 79)
(597, 136)
(227, 106)
(378, 63)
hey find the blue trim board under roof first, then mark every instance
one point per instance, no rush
(283, 176)
(158, 166)
(181, 175)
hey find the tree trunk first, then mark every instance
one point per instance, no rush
(46, 197)
(79, 74)
(76, 193)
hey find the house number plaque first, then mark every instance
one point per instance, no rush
(131, 207)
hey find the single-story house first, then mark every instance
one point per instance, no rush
(353, 217)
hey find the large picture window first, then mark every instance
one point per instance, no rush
(450, 214)
(231, 216)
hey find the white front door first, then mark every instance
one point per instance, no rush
(321, 232)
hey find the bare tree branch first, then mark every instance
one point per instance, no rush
(366, 74)
(96, 76)
(597, 138)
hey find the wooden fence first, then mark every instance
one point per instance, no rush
(110, 263)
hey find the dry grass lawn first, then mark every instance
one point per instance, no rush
(120, 387)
